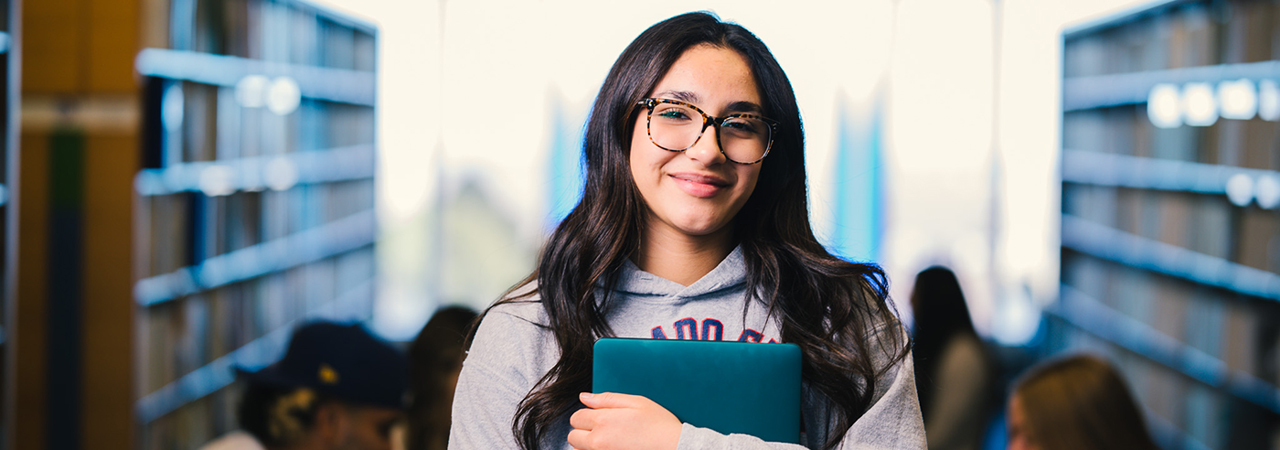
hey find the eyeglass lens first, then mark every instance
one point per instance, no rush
(677, 127)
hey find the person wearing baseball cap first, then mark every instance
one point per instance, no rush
(337, 387)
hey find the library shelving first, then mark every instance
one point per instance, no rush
(254, 206)
(1171, 214)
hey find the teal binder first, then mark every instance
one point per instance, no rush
(729, 387)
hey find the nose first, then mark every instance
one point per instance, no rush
(707, 149)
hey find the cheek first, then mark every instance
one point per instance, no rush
(639, 139)
(635, 157)
(638, 169)
(639, 134)
(646, 163)
(750, 176)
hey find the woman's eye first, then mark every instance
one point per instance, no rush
(673, 114)
(741, 127)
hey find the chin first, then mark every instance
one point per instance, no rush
(701, 228)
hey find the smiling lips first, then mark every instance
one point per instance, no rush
(698, 185)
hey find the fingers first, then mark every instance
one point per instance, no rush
(578, 439)
(612, 400)
(612, 419)
(584, 419)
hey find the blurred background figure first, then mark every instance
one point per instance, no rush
(435, 358)
(954, 373)
(337, 387)
(1078, 402)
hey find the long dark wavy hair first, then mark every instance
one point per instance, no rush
(827, 306)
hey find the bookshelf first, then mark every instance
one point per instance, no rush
(1171, 214)
(254, 205)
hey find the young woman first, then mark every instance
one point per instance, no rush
(1075, 402)
(693, 225)
(954, 373)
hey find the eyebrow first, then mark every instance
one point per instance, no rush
(691, 97)
(745, 107)
(684, 96)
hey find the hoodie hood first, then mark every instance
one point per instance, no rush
(730, 274)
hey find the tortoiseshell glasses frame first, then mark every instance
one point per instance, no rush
(750, 134)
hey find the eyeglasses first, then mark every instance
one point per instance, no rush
(673, 126)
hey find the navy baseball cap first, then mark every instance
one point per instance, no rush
(340, 360)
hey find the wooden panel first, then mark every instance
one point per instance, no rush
(108, 311)
(112, 44)
(52, 54)
(77, 46)
(29, 337)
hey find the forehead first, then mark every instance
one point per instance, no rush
(709, 76)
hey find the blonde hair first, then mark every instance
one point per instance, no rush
(1081, 402)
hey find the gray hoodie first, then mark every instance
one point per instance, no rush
(511, 352)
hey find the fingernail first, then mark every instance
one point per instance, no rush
(586, 395)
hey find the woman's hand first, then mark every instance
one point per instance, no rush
(623, 422)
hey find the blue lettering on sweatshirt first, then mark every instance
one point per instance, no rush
(658, 334)
(687, 323)
(749, 335)
(711, 330)
(707, 325)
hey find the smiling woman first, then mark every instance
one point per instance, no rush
(677, 224)
(693, 193)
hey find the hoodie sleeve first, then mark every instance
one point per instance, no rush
(498, 372)
(892, 422)
(692, 437)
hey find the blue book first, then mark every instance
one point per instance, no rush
(729, 387)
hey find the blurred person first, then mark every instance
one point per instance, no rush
(337, 388)
(435, 359)
(954, 374)
(1078, 402)
(693, 224)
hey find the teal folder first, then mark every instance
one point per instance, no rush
(729, 387)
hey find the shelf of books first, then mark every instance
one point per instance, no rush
(255, 204)
(1171, 214)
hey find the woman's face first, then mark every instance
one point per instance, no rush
(1016, 423)
(697, 192)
